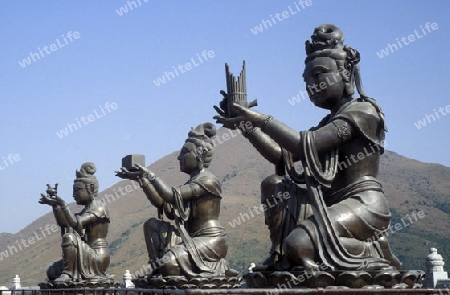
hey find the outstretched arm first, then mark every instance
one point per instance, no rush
(56, 203)
(187, 191)
(80, 221)
(156, 190)
(64, 217)
(282, 134)
(326, 138)
(141, 176)
(60, 217)
(151, 193)
(269, 149)
(265, 145)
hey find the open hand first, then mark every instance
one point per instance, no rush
(135, 174)
(222, 109)
(52, 201)
(145, 172)
(223, 112)
(247, 118)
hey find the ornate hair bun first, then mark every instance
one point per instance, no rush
(205, 130)
(210, 129)
(326, 36)
(87, 170)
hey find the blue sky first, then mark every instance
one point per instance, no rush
(104, 78)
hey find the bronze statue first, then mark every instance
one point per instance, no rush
(85, 250)
(196, 246)
(336, 210)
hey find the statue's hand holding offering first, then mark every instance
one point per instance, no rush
(127, 174)
(145, 172)
(222, 109)
(246, 115)
(134, 174)
(52, 201)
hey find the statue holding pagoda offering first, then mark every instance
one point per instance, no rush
(85, 249)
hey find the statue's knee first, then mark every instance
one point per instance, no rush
(151, 224)
(292, 242)
(55, 270)
(168, 265)
(68, 240)
(269, 187)
(270, 182)
(299, 248)
(298, 241)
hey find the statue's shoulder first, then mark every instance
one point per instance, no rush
(205, 177)
(208, 181)
(358, 108)
(364, 117)
(99, 211)
(359, 113)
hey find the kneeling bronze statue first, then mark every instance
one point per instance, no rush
(335, 216)
(196, 246)
(85, 250)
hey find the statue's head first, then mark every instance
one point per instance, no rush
(85, 186)
(331, 69)
(197, 151)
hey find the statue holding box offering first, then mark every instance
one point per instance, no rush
(196, 246)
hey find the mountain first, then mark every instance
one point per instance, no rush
(410, 186)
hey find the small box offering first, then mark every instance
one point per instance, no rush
(130, 161)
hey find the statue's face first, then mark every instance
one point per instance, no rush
(188, 158)
(324, 83)
(80, 193)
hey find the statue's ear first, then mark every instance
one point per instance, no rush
(349, 88)
(349, 82)
(200, 164)
(91, 188)
(201, 153)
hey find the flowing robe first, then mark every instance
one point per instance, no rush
(85, 251)
(200, 252)
(342, 207)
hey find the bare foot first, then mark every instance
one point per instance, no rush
(63, 278)
(268, 264)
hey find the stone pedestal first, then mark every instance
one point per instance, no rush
(435, 276)
(127, 283)
(16, 283)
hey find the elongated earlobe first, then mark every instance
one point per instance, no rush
(349, 89)
(90, 188)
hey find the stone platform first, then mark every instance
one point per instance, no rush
(243, 291)
(180, 282)
(385, 279)
(104, 284)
